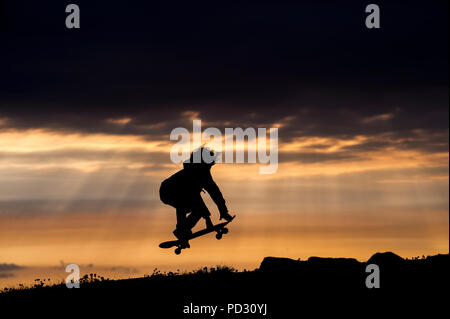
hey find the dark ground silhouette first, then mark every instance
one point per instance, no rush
(290, 288)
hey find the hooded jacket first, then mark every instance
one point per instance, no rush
(179, 189)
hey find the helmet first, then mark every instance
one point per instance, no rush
(203, 155)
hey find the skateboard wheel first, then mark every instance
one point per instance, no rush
(219, 236)
(178, 251)
(225, 230)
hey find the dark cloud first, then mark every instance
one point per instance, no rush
(77, 154)
(314, 157)
(9, 267)
(252, 64)
(416, 140)
(81, 206)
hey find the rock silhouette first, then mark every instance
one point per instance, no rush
(387, 258)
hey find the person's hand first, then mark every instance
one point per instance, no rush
(226, 216)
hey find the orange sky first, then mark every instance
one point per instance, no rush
(92, 198)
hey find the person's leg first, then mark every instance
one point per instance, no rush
(199, 210)
(182, 230)
(192, 220)
(181, 217)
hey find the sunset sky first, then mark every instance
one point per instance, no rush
(85, 119)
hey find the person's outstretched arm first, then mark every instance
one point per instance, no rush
(215, 193)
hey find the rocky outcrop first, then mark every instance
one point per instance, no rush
(386, 258)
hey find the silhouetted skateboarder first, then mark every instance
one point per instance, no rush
(182, 191)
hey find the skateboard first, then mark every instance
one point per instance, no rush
(220, 230)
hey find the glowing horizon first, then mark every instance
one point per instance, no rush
(395, 185)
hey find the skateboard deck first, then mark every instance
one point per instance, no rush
(220, 229)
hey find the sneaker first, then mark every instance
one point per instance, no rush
(182, 234)
(226, 216)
